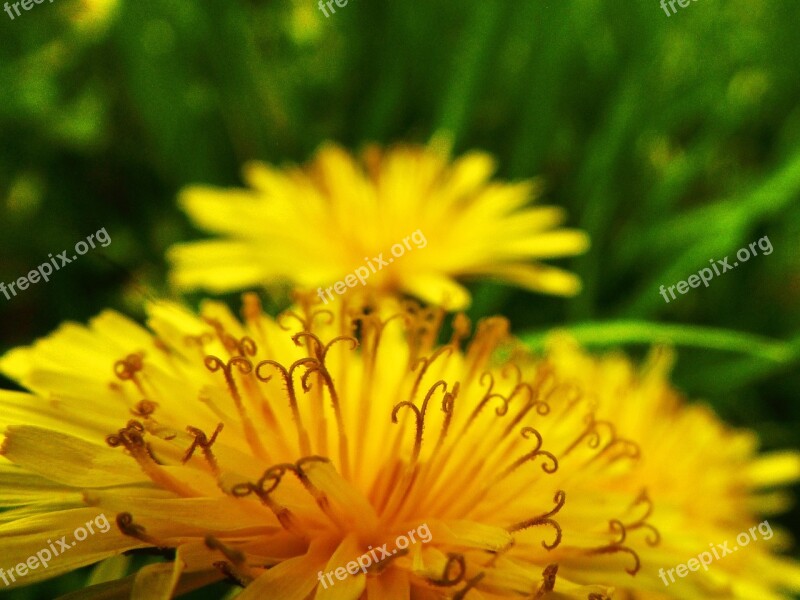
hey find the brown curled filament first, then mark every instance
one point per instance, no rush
(546, 519)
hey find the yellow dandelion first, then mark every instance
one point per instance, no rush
(327, 454)
(714, 493)
(400, 220)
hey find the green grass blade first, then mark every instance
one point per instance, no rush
(620, 333)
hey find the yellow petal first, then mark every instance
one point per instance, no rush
(156, 582)
(777, 468)
(536, 278)
(215, 266)
(33, 536)
(438, 289)
(68, 460)
(352, 586)
(290, 579)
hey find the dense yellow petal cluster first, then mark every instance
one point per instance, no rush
(270, 451)
(427, 219)
(708, 481)
(273, 452)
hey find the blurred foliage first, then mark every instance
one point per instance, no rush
(671, 140)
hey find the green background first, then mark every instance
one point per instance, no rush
(670, 140)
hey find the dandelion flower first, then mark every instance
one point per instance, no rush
(270, 453)
(712, 488)
(407, 219)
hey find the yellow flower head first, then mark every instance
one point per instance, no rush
(401, 220)
(344, 454)
(711, 488)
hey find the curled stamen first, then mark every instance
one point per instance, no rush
(214, 364)
(655, 536)
(426, 363)
(128, 527)
(315, 348)
(448, 405)
(419, 414)
(127, 367)
(200, 440)
(500, 411)
(304, 324)
(372, 328)
(319, 365)
(320, 497)
(319, 349)
(542, 407)
(246, 346)
(245, 367)
(448, 402)
(533, 402)
(616, 526)
(132, 438)
(526, 433)
(144, 408)
(547, 468)
(545, 519)
(591, 432)
(273, 475)
(453, 560)
(339, 338)
(630, 449)
(287, 375)
(488, 395)
(129, 436)
(243, 347)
